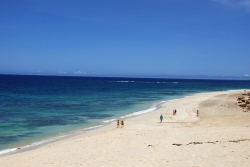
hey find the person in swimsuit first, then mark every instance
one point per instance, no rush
(174, 111)
(122, 123)
(118, 123)
(197, 113)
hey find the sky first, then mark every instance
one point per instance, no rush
(125, 37)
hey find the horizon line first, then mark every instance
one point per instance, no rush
(160, 76)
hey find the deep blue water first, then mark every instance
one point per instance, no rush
(33, 108)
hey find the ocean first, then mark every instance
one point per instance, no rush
(39, 109)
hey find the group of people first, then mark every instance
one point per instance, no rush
(118, 123)
(174, 113)
(161, 118)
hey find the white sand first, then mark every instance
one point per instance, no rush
(145, 142)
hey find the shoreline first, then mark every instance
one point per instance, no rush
(139, 129)
(55, 138)
(40, 143)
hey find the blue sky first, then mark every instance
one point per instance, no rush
(125, 37)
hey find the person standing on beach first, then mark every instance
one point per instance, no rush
(161, 118)
(174, 112)
(197, 113)
(122, 123)
(118, 123)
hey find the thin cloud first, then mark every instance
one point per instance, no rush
(236, 3)
(246, 4)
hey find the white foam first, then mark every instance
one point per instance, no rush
(45, 141)
(141, 112)
(124, 81)
(94, 127)
(136, 113)
(7, 151)
(146, 111)
(110, 120)
(32, 144)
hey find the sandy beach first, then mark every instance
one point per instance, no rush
(219, 136)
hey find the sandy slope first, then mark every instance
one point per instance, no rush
(220, 136)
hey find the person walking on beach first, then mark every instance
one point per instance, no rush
(122, 123)
(118, 123)
(197, 112)
(161, 118)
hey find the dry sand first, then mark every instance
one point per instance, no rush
(219, 136)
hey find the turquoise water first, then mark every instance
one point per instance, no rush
(34, 108)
